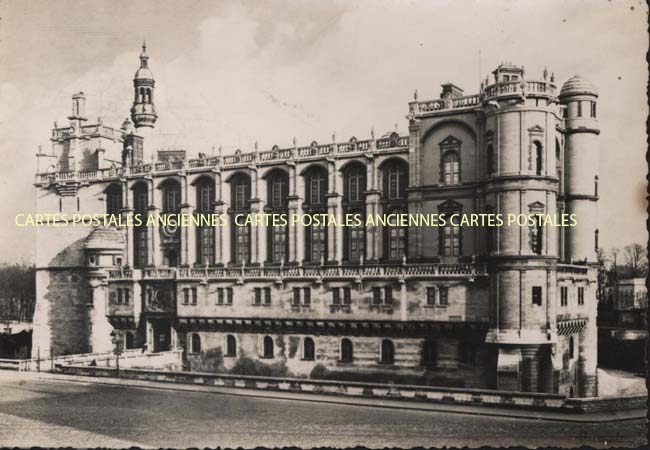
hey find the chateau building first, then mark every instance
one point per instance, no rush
(510, 308)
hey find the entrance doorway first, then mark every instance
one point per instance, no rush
(162, 335)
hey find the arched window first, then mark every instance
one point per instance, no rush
(355, 242)
(395, 238)
(128, 340)
(240, 197)
(114, 200)
(240, 187)
(148, 95)
(355, 183)
(538, 157)
(395, 180)
(171, 190)
(142, 95)
(277, 203)
(268, 347)
(316, 235)
(316, 187)
(451, 168)
(387, 352)
(195, 344)
(596, 186)
(308, 349)
(204, 233)
(278, 190)
(140, 204)
(204, 195)
(429, 352)
(347, 351)
(231, 345)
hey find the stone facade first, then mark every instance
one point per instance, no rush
(489, 307)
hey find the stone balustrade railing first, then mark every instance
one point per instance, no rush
(88, 130)
(494, 91)
(572, 268)
(516, 88)
(408, 271)
(353, 146)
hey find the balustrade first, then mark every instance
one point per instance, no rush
(314, 272)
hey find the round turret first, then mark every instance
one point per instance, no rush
(578, 85)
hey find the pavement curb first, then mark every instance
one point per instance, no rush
(617, 416)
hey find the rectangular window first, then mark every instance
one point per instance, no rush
(388, 295)
(564, 293)
(127, 295)
(267, 296)
(444, 296)
(581, 295)
(258, 296)
(431, 296)
(296, 297)
(376, 296)
(119, 296)
(279, 244)
(593, 109)
(230, 296)
(318, 242)
(579, 109)
(194, 296)
(336, 296)
(306, 296)
(451, 241)
(347, 296)
(242, 244)
(219, 296)
(186, 296)
(537, 295)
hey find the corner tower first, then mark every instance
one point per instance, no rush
(579, 97)
(143, 111)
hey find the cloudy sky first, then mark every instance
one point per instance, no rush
(232, 73)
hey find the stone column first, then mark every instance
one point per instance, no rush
(588, 359)
(100, 327)
(218, 209)
(154, 252)
(262, 228)
(299, 230)
(187, 233)
(225, 230)
(373, 233)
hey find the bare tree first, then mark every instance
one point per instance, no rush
(636, 260)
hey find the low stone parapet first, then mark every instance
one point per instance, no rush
(459, 396)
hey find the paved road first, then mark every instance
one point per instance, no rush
(41, 412)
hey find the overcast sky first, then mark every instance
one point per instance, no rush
(232, 73)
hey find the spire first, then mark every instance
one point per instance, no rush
(144, 58)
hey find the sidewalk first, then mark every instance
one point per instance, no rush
(357, 401)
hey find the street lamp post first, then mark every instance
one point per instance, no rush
(115, 339)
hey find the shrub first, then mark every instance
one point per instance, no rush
(319, 372)
(249, 366)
